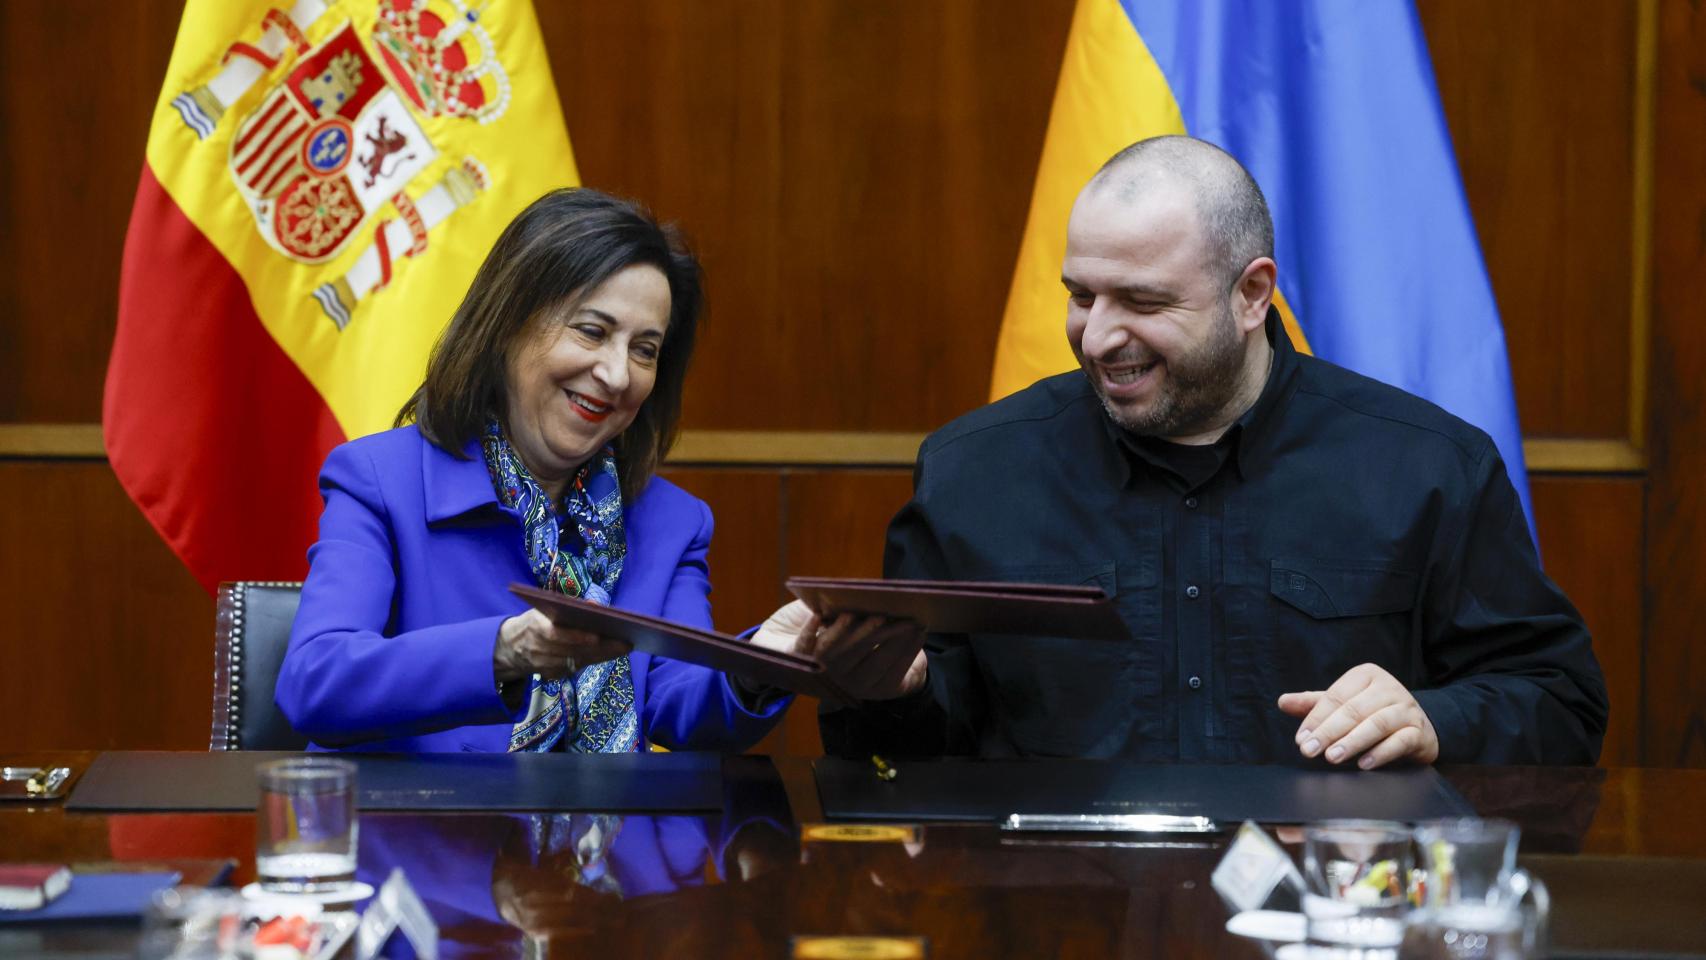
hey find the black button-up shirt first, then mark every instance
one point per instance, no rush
(1339, 521)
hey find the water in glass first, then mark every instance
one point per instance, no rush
(1358, 874)
(305, 827)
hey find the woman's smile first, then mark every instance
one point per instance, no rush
(590, 410)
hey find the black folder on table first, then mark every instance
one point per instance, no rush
(226, 780)
(991, 790)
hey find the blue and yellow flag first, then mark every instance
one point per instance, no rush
(1332, 107)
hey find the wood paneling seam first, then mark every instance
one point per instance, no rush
(713, 448)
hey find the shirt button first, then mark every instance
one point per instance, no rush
(1192, 591)
(1195, 682)
(1191, 502)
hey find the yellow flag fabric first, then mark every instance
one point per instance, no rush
(323, 179)
(353, 162)
(1111, 94)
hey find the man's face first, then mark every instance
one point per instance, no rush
(1150, 322)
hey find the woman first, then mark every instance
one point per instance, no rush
(548, 403)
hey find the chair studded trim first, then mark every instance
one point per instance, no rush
(229, 639)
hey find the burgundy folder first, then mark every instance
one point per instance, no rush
(677, 641)
(946, 606)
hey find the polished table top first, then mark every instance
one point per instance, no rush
(1623, 851)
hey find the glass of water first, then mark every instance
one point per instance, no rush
(1479, 904)
(305, 827)
(1358, 877)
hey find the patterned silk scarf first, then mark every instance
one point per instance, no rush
(577, 552)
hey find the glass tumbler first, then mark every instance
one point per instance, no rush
(1478, 905)
(1358, 878)
(305, 827)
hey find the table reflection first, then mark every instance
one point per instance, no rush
(538, 884)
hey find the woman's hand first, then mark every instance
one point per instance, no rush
(872, 658)
(529, 643)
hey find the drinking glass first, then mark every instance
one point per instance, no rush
(1358, 877)
(1478, 904)
(305, 828)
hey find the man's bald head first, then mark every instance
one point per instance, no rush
(1237, 227)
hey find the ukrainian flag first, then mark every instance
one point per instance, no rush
(1332, 106)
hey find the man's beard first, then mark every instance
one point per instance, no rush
(1198, 387)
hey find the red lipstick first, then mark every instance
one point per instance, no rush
(578, 404)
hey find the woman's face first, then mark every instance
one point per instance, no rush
(581, 378)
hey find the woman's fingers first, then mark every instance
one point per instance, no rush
(547, 649)
(793, 628)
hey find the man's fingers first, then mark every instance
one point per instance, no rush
(849, 641)
(1344, 718)
(895, 646)
(1366, 713)
(1326, 705)
(1299, 704)
(1402, 745)
(1343, 690)
(1380, 725)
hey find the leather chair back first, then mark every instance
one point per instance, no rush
(250, 634)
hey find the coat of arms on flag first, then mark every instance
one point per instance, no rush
(337, 138)
(323, 178)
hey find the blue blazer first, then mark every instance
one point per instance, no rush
(392, 646)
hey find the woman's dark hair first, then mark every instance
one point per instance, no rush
(554, 253)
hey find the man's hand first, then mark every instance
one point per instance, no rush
(872, 658)
(529, 643)
(1366, 713)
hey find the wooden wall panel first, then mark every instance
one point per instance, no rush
(1590, 540)
(856, 176)
(836, 520)
(679, 105)
(77, 85)
(107, 640)
(1676, 515)
(1539, 102)
(746, 559)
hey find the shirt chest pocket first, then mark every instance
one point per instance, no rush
(1057, 696)
(1330, 615)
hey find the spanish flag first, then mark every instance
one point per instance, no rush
(323, 178)
(1332, 107)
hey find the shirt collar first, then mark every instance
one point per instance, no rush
(455, 486)
(1248, 432)
(1253, 433)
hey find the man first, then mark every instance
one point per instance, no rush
(1310, 563)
